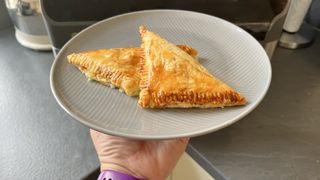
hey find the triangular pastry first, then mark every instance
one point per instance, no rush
(172, 78)
(118, 67)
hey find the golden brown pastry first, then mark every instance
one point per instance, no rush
(172, 78)
(118, 67)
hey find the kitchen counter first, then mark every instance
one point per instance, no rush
(38, 140)
(278, 140)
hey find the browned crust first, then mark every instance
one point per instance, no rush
(186, 99)
(189, 50)
(144, 97)
(191, 99)
(106, 75)
(99, 71)
(228, 98)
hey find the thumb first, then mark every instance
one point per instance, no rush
(177, 145)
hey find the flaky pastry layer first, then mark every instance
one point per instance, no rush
(119, 67)
(172, 78)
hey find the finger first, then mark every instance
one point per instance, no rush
(97, 136)
(94, 137)
(179, 144)
(184, 140)
(94, 134)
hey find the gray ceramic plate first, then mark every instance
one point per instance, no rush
(224, 49)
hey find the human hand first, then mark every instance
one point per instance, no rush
(153, 160)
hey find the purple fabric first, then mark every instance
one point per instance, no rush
(114, 175)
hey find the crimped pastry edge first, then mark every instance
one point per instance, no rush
(190, 99)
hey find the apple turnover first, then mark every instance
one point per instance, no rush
(117, 67)
(172, 78)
